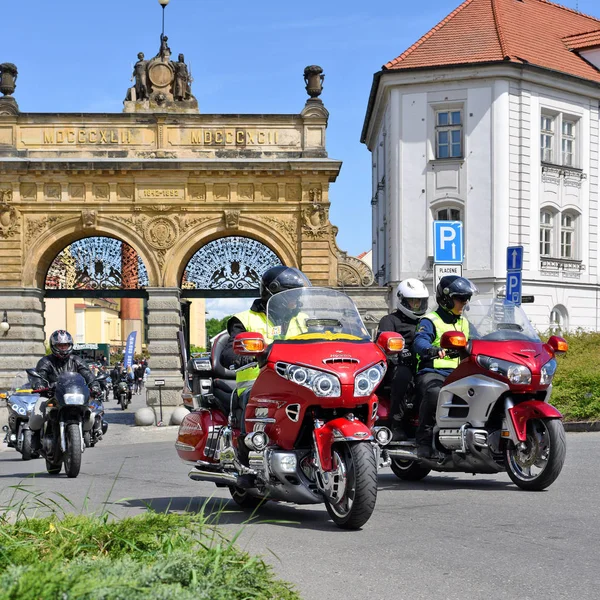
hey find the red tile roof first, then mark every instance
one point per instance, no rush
(536, 32)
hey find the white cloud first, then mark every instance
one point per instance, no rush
(218, 308)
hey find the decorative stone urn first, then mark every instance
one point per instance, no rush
(313, 77)
(8, 78)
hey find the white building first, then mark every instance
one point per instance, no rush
(491, 118)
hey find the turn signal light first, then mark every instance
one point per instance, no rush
(458, 341)
(253, 345)
(558, 344)
(395, 344)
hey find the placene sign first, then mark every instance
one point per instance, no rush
(159, 382)
(440, 271)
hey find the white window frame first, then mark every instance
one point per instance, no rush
(559, 138)
(449, 128)
(438, 209)
(547, 232)
(568, 232)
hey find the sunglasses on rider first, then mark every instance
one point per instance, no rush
(463, 299)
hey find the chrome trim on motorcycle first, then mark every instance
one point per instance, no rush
(81, 437)
(293, 412)
(63, 439)
(185, 447)
(212, 476)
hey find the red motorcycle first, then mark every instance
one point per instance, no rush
(306, 434)
(493, 413)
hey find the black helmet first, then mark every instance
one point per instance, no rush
(450, 286)
(281, 278)
(61, 344)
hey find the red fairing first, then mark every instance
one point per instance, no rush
(193, 432)
(324, 437)
(530, 409)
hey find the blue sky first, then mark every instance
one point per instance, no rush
(246, 57)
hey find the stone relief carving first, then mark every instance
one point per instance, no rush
(197, 192)
(9, 220)
(315, 221)
(293, 192)
(29, 191)
(77, 191)
(88, 218)
(221, 191)
(156, 154)
(6, 195)
(35, 226)
(53, 191)
(232, 219)
(101, 192)
(246, 191)
(161, 233)
(353, 272)
(288, 227)
(125, 192)
(134, 222)
(187, 222)
(269, 191)
(315, 195)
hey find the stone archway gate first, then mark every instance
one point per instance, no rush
(166, 184)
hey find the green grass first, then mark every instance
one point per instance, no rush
(151, 556)
(576, 386)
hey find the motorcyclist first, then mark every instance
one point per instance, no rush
(274, 280)
(452, 295)
(412, 298)
(61, 360)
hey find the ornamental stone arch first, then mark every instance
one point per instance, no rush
(44, 249)
(213, 230)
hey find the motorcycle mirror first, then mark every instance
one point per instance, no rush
(249, 344)
(34, 373)
(390, 342)
(558, 344)
(453, 340)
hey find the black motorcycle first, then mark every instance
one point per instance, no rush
(20, 402)
(100, 426)
(67, 415)
(124, 393)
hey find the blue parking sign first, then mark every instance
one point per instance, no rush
(514, 284)
(448, 242)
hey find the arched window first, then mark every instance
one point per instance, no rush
(448, 214)
(559, 319)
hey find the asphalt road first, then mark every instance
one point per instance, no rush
(447, 537)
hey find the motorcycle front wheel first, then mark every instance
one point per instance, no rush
(72, 457)
(123, 402)
(243, 499)
(409, 470)
(351, 488)
(27, 445)
(537, 465)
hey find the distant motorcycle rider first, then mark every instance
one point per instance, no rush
(61, 360)
(412, 298)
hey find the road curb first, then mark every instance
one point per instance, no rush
(582, 426)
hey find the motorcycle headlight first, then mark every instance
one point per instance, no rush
(515, 373)
(366, 381)
(548, 371)
(322, 384)
(74, 399)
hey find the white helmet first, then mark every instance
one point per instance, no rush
(412, 298)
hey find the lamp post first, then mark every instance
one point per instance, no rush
(5, 325)
(163, 3)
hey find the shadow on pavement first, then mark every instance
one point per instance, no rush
(227, 512)
(388, 481)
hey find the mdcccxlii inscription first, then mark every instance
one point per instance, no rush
(88, 136)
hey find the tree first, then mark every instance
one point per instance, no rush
(214, 326)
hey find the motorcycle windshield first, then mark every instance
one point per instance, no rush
(20, 384)
(495, 319)
(72, 384)
(314, 314)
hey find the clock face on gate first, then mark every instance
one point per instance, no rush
(161, 74)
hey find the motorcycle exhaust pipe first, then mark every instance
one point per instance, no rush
(403, 454)
(212, 477)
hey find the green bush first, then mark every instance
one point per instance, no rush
(576, 386)
(151, 556)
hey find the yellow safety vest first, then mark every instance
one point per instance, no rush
(297, 326)
(257, 323)
(440, 328)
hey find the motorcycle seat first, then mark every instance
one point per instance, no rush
(222, 398)
(225, 385)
